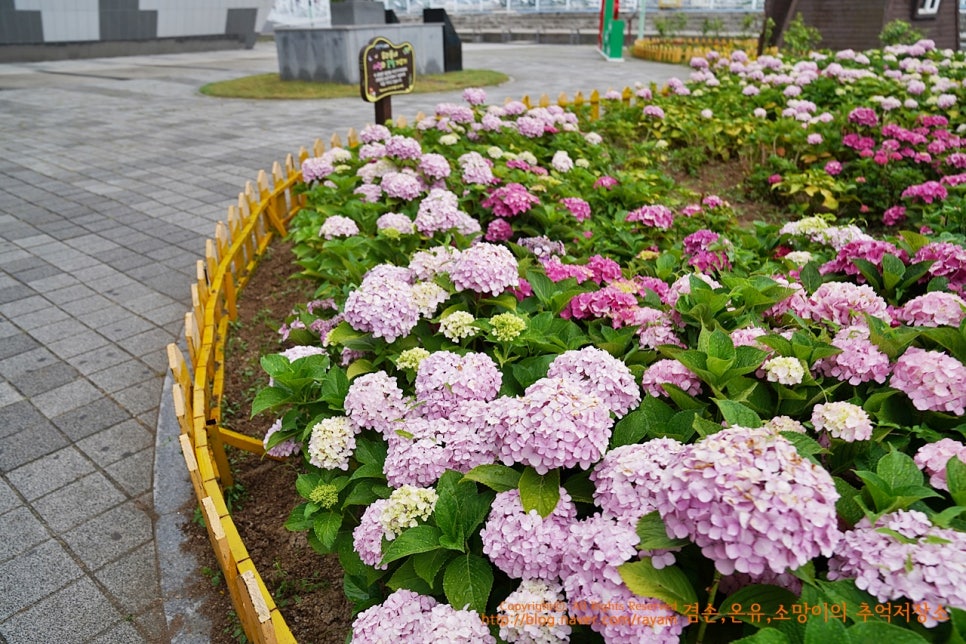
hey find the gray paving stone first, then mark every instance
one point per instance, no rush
(125, 327)
(29, 360)
(85, 341)
(87, 304)
(73, 615)
(8, 498)
(118, 442)
(26, 443)
(41, 317)
(77, 502)
(8, 395)
(91, 418)
(16, 308)
(122, 376)
(122, 633)
(64, 329)
(46, 378)
(68, 294)
(108, 536)
(57, 281)
(30, 577)
(99, 359)
(14, 345)
(151, 341)
(58, 401)
(132, 579)
(134, 473)
(16, 292)
(140, 397)
(19, 531)
(45, 475)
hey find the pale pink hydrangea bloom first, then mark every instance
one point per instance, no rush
(669, 372)
(626, 478)
(535, 613)
(936, 308)
(750, 502)
(445, 379)
(656, 216)
(396, 221)
(845, 304)
(338, 226)
(382, 305)
(283, 449)
(927, 564)
(427, 264)
(485, 268)
(600, 372)
(933, 457)
(933, 380)
(860, 360)
(375, 401)
(525, 545)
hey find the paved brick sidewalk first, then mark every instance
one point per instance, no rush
(112, 174)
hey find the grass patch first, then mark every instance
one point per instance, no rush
(270, 86)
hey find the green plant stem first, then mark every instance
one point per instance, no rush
(711, 594)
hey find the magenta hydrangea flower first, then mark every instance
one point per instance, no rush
(626, 478)
(525, 545)
(485, 268)
(557, 423)
(375, 401)
(510, 200)
(498, 230)
(604, 269)
(655, 216)
(933, 457)
(860, 360)
(669, 372)
(936, 308)
(445, 379)
(926, 192)
(845, 304)
(558, 271)
(894, 216)
(948, 260)
(864, 116)
(600, 372)
(606, 302)
(606, 182)
(579, 208)
(382, 305)
(842, 420)
(750, 502)
(933, 380)
(699, 249)
(868, 249)
(923, 564)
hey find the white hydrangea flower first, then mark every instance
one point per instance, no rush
(784, 370)
(428, 296)
(458, 325)
(406, 507)
(799, 257)
(410, 358)
(332, 443)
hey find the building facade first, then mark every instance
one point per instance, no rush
(51, 29)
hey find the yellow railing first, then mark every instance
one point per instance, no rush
(263, 211)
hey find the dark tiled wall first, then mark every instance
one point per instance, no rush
(122, 20)
(19, 27)
(240, 22)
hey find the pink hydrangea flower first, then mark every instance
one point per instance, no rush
(579, 208)
(860, 360)
(926, 192)
(510, 200)
(864, 116)
(933, 457)
(844, 304)
(338, 226)
(557, 271)
(445, 379)
(655, 216)
(382, 305)
(894, 215)
(626, 478)
(933, 380)
(375, 401)
(868, 249)
(948, 260)
(750, 502)
(485, 268)
(525, 545)
(669, 372)
(600, 372)
(925, 564)
(608, 302)
(936, 308)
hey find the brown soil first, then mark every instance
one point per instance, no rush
(306, 586)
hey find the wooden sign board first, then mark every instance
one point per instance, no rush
(386, 69)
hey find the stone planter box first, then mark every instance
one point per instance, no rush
(332, 55)
(357, 12)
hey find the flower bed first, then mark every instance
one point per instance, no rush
(546, 394)
(682, 50)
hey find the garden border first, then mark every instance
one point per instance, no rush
(262, 212)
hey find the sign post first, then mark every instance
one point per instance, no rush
(385, 69)
(610, 32)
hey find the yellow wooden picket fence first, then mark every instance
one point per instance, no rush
(263, 212)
